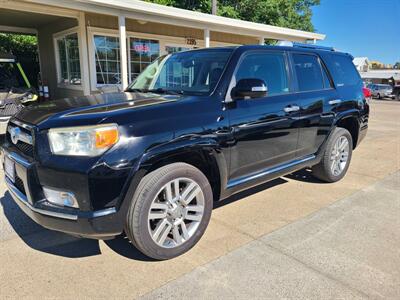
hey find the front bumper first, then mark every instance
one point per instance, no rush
(388, 95)
(100, 224)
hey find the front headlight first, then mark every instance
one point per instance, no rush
(83, 141)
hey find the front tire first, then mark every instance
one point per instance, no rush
(170, 211)
(336, 158)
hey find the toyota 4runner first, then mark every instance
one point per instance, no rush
(193, 128)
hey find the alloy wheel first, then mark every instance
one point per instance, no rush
(339, 155)
(176, 212)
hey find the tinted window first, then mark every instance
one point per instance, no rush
(345, 72)
(269, 67)
(327, 82)
(308, 71)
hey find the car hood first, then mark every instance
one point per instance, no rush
(92, 108)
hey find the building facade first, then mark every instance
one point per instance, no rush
(361, 63)
(88, 46)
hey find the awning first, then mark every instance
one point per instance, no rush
(164, 14)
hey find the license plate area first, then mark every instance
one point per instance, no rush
(9, 168)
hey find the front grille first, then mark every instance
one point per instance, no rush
(19, 185)
(10, 109)
(22, 146)
(25, 148)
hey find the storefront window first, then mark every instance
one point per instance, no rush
(142, 53)
(69, 63)
(107, 60)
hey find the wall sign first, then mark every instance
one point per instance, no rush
(191, 41)
(141, 47)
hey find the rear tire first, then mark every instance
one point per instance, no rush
(170, 211)
(336, 158)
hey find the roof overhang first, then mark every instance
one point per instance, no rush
(381, 74)
(150, 12)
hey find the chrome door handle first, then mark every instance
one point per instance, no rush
(336, 101)
(291, 108)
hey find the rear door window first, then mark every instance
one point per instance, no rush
(309, 73)
(344, 71)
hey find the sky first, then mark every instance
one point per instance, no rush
(368, 28)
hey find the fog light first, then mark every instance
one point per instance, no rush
(61, 198)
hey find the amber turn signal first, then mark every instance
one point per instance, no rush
(106, 138)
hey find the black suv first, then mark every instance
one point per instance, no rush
(193, 128)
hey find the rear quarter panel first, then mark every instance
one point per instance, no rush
(353, 102)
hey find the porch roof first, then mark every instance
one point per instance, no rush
(145, 11)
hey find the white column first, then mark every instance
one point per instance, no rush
(261, 40)
(123, 52)
(83, 54)
(207, 38)
(315, 41)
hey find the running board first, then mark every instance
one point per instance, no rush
(245, 179)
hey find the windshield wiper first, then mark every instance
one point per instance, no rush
(165, 91)
(137, 90)
(157, 91)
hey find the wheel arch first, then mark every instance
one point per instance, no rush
(204, 156)
(350, 123)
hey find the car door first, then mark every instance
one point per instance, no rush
(317, 99)
(264, 129)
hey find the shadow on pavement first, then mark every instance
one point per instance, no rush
(124, 247)
(304, 175)
(58, 243)
(42, 239)
(249, 192)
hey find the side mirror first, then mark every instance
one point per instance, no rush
(249, 88)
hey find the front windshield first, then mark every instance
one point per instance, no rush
(10, 76)
(191, 72)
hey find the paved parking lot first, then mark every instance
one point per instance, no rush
(294, 237)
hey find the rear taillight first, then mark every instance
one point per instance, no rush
(366, 92)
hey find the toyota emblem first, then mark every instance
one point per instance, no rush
(14, 134)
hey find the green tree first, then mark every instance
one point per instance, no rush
(294, 14)
(24, 48)
(397, 65)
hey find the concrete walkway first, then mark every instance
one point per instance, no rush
(349, 249)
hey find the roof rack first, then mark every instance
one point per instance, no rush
(302, 45)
